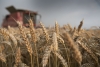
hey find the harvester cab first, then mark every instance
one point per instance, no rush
(19, 15)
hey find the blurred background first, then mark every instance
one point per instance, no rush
(63, 11)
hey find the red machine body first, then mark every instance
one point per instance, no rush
(19, 15)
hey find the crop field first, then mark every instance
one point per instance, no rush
(56, 46)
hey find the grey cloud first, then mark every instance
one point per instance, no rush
(64, 11)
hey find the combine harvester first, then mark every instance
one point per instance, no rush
(19, 15)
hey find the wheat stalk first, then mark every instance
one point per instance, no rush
(32, 31)
(77, 53)
(28, 45)
(55, 46)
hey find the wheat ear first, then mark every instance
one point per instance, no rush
(11, 36)
(32, 30)
(2, 58)
(18, 57)
(70, 28)
(61, 58)
(56, 28)
(46, 55)
(45, 32)
(80, 26)
(89, 51)
(28, 45)
(55, 43)
(5, 35)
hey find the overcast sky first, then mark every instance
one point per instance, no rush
(64, 11)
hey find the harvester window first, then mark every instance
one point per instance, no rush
(26, 16)
(31, 16)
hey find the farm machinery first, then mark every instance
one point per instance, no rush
(19, 15)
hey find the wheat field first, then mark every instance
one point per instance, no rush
(49, 47)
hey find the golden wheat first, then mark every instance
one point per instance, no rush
(53, 47)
